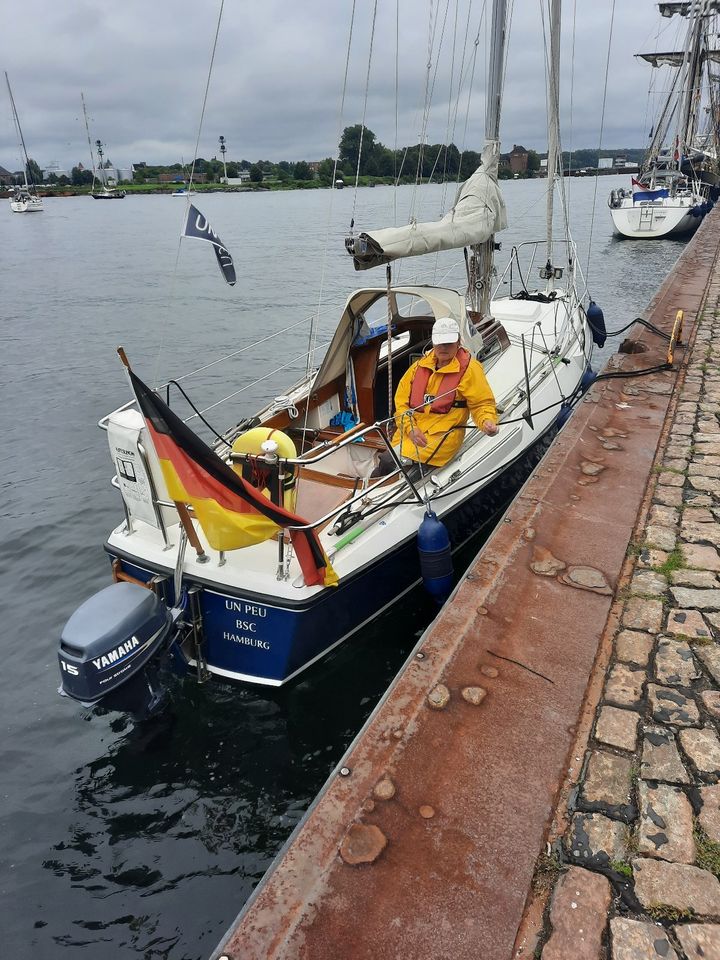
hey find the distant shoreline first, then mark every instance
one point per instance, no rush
(202, 188)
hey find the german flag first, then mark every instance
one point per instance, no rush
(231, 512)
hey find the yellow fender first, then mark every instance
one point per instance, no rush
(251, 442)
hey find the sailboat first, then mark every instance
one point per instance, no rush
(250, 559)
(108, 190)
(23, 199)
(671, 195)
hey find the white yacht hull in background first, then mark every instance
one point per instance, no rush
(26, 204)
(648, 219)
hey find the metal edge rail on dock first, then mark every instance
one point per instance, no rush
(423, 841)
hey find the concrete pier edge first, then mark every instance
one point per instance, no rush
(429, 845)
(652, 888)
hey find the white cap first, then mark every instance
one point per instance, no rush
(445, 330)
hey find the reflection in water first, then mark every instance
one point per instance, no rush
(205, 796)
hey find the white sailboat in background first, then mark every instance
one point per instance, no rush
(23, 199)
(246, 603)
(107, 192)
(671, 194)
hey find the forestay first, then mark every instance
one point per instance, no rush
(478, 213)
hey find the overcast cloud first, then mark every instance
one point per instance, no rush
(277, 79)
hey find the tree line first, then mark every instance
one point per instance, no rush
(359, 153)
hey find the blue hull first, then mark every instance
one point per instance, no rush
(254, 638)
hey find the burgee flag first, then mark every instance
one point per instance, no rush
(231, 512)
(198, 228)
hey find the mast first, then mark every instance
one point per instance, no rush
(482, 254)
(553, 124)
(16, 118)
(87, 130)
(101, 175)
(692, 61)
(692, 64)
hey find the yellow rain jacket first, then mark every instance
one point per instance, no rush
(443, 441)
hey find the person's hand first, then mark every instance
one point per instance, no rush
(418, 437)
(489, 428)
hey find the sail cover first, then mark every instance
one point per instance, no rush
(478, 213)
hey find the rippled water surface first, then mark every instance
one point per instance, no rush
(129, 842)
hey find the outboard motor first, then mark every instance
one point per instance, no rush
(112, 647)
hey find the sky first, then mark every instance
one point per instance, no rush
(277, 79)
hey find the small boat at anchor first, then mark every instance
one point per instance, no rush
(23, 199)
(108, 193)
(108, 190)
(250, 558)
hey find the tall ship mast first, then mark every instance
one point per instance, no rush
(675, 187)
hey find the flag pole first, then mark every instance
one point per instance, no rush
(183, 512)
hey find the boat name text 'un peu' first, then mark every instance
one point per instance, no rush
(238, 606)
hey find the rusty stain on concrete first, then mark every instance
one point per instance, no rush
(586, 578)
(544, 564)
(385, 789)
(439, 697)
(474, 695)
(460, 889)
(363, 843)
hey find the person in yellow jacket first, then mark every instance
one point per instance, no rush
(438, 393)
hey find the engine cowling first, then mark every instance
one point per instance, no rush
(111, 646)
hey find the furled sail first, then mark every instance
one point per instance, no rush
(676, 58)
(478, 213)
(684, 7)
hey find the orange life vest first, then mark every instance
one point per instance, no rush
(449, 383)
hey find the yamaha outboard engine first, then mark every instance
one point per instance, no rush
(111, 649)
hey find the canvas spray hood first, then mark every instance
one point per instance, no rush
(478, 213)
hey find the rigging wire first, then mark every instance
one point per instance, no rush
(365, 102)
(429, 94)
(602, 125)
(473, 59)
(173, 280)
(235, 353)
(572, 103)
(397, 98)
(315, 320)
(651, 84)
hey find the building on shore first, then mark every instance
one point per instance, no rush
(518, 159)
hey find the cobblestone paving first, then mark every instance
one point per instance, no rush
(641, 855)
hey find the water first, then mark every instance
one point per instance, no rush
(128, 842)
